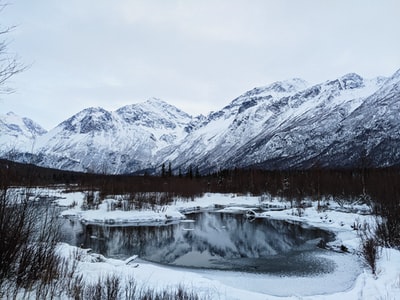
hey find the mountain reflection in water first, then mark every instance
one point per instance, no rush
(213, 240)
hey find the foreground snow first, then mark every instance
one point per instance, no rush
(235, 285)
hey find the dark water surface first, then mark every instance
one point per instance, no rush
(212, 240)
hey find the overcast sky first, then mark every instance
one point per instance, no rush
(197, 55)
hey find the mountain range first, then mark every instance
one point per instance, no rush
(342, 123)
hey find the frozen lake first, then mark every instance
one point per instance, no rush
(220, 250)
(213, 240)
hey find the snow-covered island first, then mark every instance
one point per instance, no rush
(214, 284)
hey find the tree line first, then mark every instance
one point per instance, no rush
(380, 183)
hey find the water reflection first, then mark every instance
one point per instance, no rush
(213, 240)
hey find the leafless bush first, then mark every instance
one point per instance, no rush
(76, 289)
(130, 288)
(112, 287)
(9, 64)
(388, 224)
(91, 200)
(370, 252)
(369, 246)
(70, 282)
(28, 234)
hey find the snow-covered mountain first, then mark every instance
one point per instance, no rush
(17, 134)
(346, 122)
(277, 127)
(370, 135)
(121, 141)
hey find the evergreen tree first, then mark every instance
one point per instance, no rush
(163, 170)
(169, 169)
(197, 174)
(190, 172)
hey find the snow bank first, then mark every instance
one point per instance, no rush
(235, 285)
(126, 217)
(173, 212)
(70, 199)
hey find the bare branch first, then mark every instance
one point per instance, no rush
(8, 68)
(9, 63)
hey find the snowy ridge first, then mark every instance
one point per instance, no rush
(18, 134)
(343, 122)
(270, 130)
(121, 141)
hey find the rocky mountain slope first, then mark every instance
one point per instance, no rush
(123, 141)
(276, 127)
(17, 134)
(346, 122)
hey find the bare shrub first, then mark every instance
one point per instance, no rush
(76, 288)
(369, 247)
(388, 227)
(130, 288)
(28, 234)
(112, 286)
(370, 252)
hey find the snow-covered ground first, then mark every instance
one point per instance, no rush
(236, 285)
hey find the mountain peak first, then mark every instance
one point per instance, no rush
(282, 88)
(18, 133)
(154, 107)
(88, 120)
(288, 86)
(159, 104)
(153, 104)
(352, 81)
(155, 101)
(92, 110)
(11, 119)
